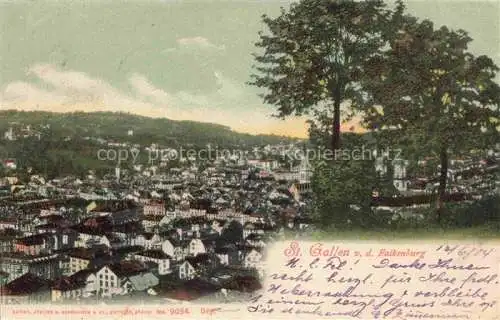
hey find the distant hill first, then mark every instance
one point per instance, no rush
(67, 143)
(115, 126)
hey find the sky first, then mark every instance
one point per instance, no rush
(183, 60)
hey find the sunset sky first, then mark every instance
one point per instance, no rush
(183, 60)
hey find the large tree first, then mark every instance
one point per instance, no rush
(314, 54)
(432, 95)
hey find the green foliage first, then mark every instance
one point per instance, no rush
(314, 55)
(483, 212)
(233, 233)
(338, 186)
(429, 83)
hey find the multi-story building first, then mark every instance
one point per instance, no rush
(158, 257)
(18, 264)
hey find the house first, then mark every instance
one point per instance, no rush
(31, 245)
(180, 251)
(286, 175)
(100, 222)
(203, 263)
(92, 231)
(9, 223)
(400, 179)
(227, 255)
(7, 239)
(87, 239)
(167, 246)
(139, 282)
(185, 271)
(67, 288)
(177, 249)
(252, 258)
(148, 240)
(119, 212)
(158, 257)
(17, 264)
(108, 280)
(113, 240)
(217, 225)
(26, 226)
(154, 208)
(87, 276)
(27, 289)
(263, 164)
(151, 222)
(83, 258)
(255, 240)
(168, 218)
(196, 247)
(56, 219)
(112, 278)
(252, 228)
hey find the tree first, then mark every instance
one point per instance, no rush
(314, 56)
(437, 97)
(343, 193)
(233, 233)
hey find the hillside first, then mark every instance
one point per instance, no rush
(115, 126)
(67, 143)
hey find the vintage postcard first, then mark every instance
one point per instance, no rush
(246, 159)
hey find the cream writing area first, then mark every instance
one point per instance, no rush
(337, 280)
(380, 281)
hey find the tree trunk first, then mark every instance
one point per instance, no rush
(336, 118)
(443, 177)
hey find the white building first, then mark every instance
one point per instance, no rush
(107, 281)
(9, 135)
(400, 180)
(186, 271)
(252, 259)
(196, 247)
(158, 257)
(154, 209)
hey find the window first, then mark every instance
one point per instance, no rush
(106, 277)
(100, 283)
